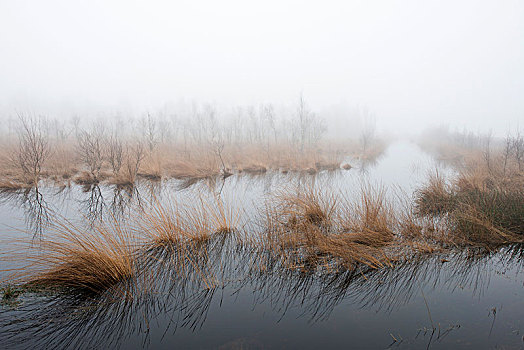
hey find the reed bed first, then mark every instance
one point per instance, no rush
(112, 255)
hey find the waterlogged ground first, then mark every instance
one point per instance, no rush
(457, 300)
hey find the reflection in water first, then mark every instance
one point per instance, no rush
(123, 199)
(176, 290)
(366, 165)
(93, 205)
(37, 212)
(153, 188)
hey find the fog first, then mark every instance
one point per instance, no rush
(413, 64)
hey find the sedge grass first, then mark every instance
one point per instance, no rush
(484, 210)
(83, 260)
(314, 228)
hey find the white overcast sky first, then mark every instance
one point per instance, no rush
(413, 63)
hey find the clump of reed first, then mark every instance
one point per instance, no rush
(309, 206)
(79, 260)
(484, 204)
(478, 209)
(370, 217)
(86, 178)
(435, 198)
(190, 238)
(177, 223)
(313, 229)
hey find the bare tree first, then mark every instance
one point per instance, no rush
(269, 116)
(33, 146)
(150, 132)
(254, 131)
(309, 129)
(90, 149)
(165, 126)
(518, 149)
(217, 143)
(75, 121)
(369, 127)
(304, 116)
(61, 130)
(318, 128)
(115, 152)
(134, 156)
(506, 152)
(487, 149)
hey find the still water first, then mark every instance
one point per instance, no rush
(460, 300)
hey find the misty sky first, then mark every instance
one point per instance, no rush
(412, 63)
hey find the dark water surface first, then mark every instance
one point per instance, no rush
(458, 300)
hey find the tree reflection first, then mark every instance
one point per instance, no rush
(37, 212)
(93, 205)
(124, 198)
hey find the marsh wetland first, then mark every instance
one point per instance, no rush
(393, 252)
(261, 174)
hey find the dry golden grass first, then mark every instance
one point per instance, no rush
(306, 228)
(62, 162)
(306, 205)
(370, 218)
(84, 260)
(185, 169)
(120, 180)
(85, 178)
(435, 197)
(314, 228)
(152, 167)
(482, 206)
(189, 160)
(187, 236)
(178, 223)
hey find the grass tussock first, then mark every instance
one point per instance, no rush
(484, 204)
(190, 238)
(70, 258)
(309, 206)
(477, 209)
(314, 229)
(435, 198)
(370, 219)
(178, 224)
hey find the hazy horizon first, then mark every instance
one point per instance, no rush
(412, 64)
